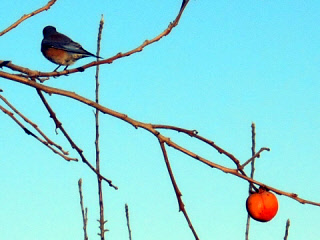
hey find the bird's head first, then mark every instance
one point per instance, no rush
(48, 30)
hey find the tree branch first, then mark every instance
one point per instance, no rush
(149, 128)
(26, 16)
(100, 192)
(251, 186)
(256, 155)
(38, 74)
(176, 189)
(72, 143)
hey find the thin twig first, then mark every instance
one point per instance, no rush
(287, 230)
(128, 220)
(84, 211)
(253, 152)
(177, 190)
(100, 193)
(256, 155)
(26, 16)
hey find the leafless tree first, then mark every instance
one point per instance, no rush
(35, 79)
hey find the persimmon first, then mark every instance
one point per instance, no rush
(262, 206)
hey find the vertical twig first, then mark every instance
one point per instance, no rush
(253, 152)
(287, 230)
(101, 205)
(128, 221)
(84, 211)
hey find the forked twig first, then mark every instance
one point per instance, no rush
(256, 155)
(194, 133)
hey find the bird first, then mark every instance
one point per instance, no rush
(60, 49)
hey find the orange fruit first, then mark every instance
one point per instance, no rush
(262, 206)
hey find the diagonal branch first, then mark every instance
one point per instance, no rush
(37, 74)
(194, 133)
(256, 155)
(176, 188)
(148, 127)
(26, 16)
(236, 173)
(72, 143)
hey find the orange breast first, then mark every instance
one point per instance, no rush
(58, 56)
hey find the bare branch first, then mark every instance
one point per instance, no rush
(72, 143)
(37, 74)
(235, 172)
(176, 189)
(149, 128)
(26, 16)
(100, 193)
(253, 152)
(256, 155)
(194, 133)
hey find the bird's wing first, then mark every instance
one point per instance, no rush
(63, 42)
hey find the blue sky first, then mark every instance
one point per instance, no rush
(226, 65)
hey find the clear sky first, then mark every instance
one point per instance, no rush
(227, 64)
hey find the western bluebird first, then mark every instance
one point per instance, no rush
(60, 49)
